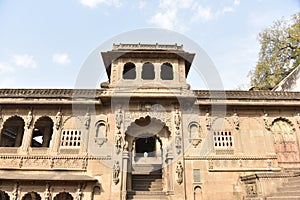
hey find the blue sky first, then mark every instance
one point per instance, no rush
(43, 44)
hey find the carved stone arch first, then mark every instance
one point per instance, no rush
(191, 126)
(4, 195)
(285, 142)
(42, 131)
(101, 128)
(63, 196)
(32, 196)
(68, 118)
(221, 123)
(146, 125)
(198, 193)
(284, 120)
(155, 113)
(12, 131)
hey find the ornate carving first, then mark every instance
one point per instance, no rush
(158, 114)
(87, 120)
(119, 117)
(15, 193)
(118, 141)
(178, 144)
(116, 171)
(79, 193)
(236, 121)
(47, 193)
(298, 119)
(251, 190)
(58, 119)
(266, 121)
(210, 164)
(208, 121)
(29, 119)
(179, 172)
(101, 130)
(177, 118)
(1, 117)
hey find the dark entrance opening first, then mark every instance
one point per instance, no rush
(146, 144)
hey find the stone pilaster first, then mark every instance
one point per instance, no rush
(125, 159)
(26, 142)
(56, 140)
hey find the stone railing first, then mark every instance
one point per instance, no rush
(173, 47)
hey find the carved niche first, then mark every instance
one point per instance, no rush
(101, 130)
(194, 134)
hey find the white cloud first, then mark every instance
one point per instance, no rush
(203, 14)
(236, 2)
(165, 20)
(92, 4)
(24, 60)
(5, 68)
(179, 15)
(227, 10)
(61, 58)
(142, 4)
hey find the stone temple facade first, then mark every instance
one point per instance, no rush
(146, 135)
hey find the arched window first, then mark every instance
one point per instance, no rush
(3, 195)
(166, 71)
(96, 193)
(148, 71)
(31, 196)
(12, 132)
(63, 196)
(42, 132)
(129, 71)
(285, 144)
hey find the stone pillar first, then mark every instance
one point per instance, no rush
(125, 159)
(26, 139)
(169, 176)
(238, 141)
(46, 137)
(269, 143)
(55, 141)
(20, 135)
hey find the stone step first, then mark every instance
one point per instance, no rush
(289, 188)
(149, 195)
(288, 193)
(284, 198)
(145, 177)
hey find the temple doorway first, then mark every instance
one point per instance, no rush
(146, 146)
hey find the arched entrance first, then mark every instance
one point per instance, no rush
(148, 140)
(63, 196)
(31, 196)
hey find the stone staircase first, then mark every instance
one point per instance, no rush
(147, 186)
(288, 191)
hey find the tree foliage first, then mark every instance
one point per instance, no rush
(279, 53)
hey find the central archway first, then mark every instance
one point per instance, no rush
(148, 140)
(147, 137)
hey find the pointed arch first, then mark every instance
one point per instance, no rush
(31, 196)
(12, 132)
(63, 196)
(284, 139)
(3, 195)
(42, 132)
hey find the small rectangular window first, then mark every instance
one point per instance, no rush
(223, 139)
(196, 173)
(70, 138)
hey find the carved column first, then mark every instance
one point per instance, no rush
(125, 159)
(169, 175)
(56, 140)
(26, 140)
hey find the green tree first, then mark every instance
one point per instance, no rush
(279, 53)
